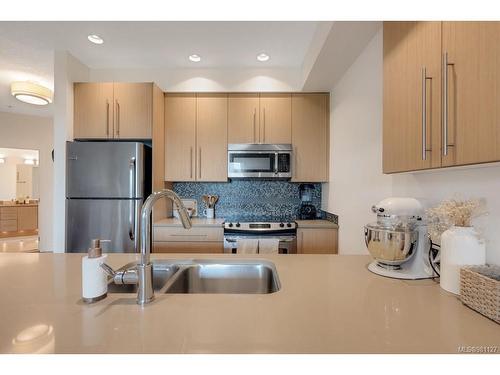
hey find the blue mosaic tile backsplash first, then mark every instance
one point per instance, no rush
(249, 200)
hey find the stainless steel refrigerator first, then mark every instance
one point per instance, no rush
(106, 184)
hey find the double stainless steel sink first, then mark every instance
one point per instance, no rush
(208, 276)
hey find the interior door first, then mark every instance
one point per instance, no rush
(275, 118)
(180, 135)
(471, 107)
(93, 110)
(412, 96)
(133, 110)
(211, 137)
(243, 118)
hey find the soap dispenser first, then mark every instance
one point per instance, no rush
(94, 278)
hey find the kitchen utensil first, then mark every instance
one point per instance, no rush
(209, 213)
(398, 241)
(210, 200)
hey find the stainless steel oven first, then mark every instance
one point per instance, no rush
(285, 232)
(266, 161)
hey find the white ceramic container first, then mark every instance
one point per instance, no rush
(460, 246)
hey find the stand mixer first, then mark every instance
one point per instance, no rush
(399, 241)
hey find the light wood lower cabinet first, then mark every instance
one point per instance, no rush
(188, 247)
(175, 239)
(317, 241)
(18, 221)
(310, 137)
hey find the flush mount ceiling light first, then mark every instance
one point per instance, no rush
(96, 39)
(262, 57)
(195, 58)
(32, 93)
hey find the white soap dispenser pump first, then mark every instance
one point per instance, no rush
(94, 278)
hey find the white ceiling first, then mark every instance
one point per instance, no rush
(162, 48)
(26, 48)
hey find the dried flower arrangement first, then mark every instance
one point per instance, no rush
(453, 212)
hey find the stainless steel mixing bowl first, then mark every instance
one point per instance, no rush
(391, 246)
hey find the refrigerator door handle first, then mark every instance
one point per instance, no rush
(132, 214)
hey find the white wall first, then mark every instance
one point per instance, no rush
(67, 70)
(206, 80)
(35, 133)
(356, 179)
(7, 181)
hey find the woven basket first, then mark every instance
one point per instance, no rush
(480, 289)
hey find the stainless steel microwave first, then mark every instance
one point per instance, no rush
(262, 161)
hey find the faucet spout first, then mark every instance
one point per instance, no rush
(145, 292)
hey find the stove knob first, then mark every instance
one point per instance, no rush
(238, 225)
(230, 225)
(282, 225)
(289, 225)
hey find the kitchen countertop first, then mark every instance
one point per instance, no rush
(316, 224)
(327, 304)
(18, 205)
(195, 221)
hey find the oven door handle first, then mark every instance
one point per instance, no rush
(233, 240)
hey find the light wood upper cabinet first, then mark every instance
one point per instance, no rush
(133, 110)
(243, 118)
(93, 110)
(451, 114)
(317, 241)
(180, 137)
(275, 118)
(113, 110)
(211, 137)
(473, 92)
(412, 74)
(310, 137)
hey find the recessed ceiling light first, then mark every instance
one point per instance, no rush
(30, 92)
(96, 39)
(195, 58)
(262, 57)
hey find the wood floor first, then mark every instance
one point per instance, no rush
(27, 244)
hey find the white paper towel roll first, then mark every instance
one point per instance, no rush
(94, 278)
(460, 246)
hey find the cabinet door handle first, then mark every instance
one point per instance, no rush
(107, 117)
(424, 113)
(117, 118)
(199, 162)
(191, 162)
(446, 64)
(301, 242)
(264, 130)
(254, 124)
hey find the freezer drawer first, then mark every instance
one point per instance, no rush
(116, 220)
(105, 170)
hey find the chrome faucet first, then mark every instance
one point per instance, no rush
(142, 274)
